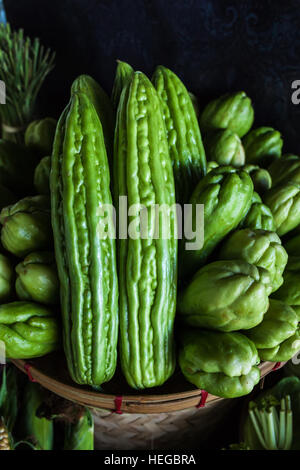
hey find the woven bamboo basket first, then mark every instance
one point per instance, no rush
(175, 415)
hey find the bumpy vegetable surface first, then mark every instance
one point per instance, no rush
(232, 111)
(225, 147)
(6, 278)
(263, 145)
(285, 169)
(183, 133)
(26, 226)
(289, 292)
(259, 216)
(28, 330)
(42, 175)
(226, 296)
(282, 352)
(224, 364)
(261, 178)
(284, 202)
(124, 74)
(39, 136)
(37, 279)
(258, 247)
(85, 257)
(226, 194)
(148, 264)
(279, 323)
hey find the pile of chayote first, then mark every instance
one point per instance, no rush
(240, 292)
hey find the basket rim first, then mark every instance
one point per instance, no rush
(152, 403)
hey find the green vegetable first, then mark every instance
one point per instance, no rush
(84, 250)
(39, 136)
(16, 168)
(283, 351)
(259, 216)
(224, 364)
(39, 431)
(211, 166)
(80, 436)
(226, 194)
(226, 296)
(224, 147)
(147, 263)
(123, 76)
(284, 202)
(42, 176)
(261, 178)
(28, 330)
(258, 247)
(103, 106)
(285, 169)
(37, 279)
(9, 397)
(279, 323)
(6, 279)
(232, 111)
(26, 226)
(289, 292)
(262, 146)
(183, 133)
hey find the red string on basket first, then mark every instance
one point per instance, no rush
(203, 398)
(277, 365)
(118, 404)
(27, 369)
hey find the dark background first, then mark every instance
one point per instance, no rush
(214, 46)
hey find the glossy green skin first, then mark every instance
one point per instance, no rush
(103, 106)
(40, 431)
(28, 330)
(211, 166)
(39, 135)
(6, 279)
(261, 178)
(284, 202)
(226, 296)
(184, 138)
(284, 351)
(16, 168)
(225, 147)
(224, 364)
(259, 216)
(289, 292)
(260, 248)
(279, 323)
(232, 111)
(195, 103)
(80, 436)
(123, 76)
(37, 279)
(285, 169)
(42, 176)
(86, 261)
(263, 145)
(147, 266)
(6, 196)
(226, 194)
(26, 226)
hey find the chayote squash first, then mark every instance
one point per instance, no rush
(211, 166)
(286, 169)
(282, 352)
(226, 296)
(284, 202)
(26, 226)
(6, 279)
(226, 194)
(259, 216)
(262, 146)
(232, 111)
(147, 262)
(224, 364)
(37, 279)
(225, 147)
(289, 292)
(42, 176)
(84, 250)
(261, 178)
(28, 330)
(260, 248)
(39, 136)
(183, 133)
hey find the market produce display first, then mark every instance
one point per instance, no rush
(70, 279)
